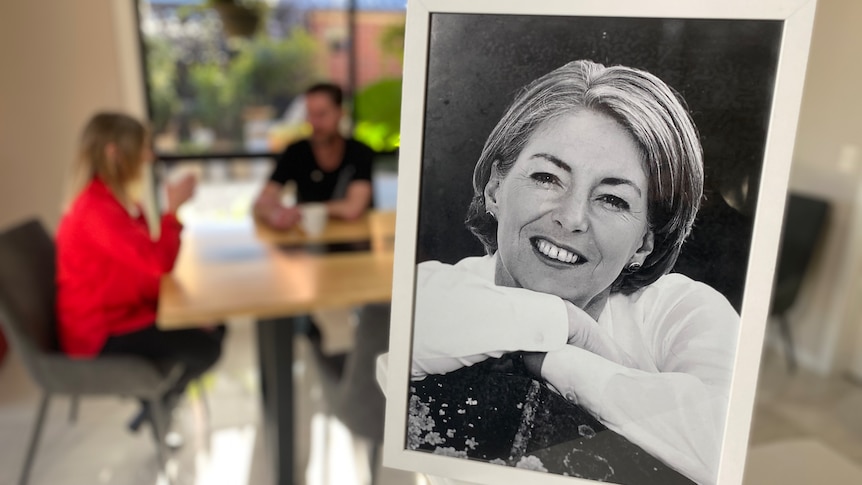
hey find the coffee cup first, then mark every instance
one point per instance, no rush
(314, 216)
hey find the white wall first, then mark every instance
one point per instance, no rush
(826, 163)
(59, 63)
(831, 114)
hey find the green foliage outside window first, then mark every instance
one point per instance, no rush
(265, 72)
(378, 105)
(215, 105)
(163, 75)
(378, 115)
(262, 71)
(209, 89)
(268, 70)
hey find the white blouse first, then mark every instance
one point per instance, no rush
(664, 385)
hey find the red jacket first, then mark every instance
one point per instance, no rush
(108, 270)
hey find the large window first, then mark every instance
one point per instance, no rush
(224, 80)
(225, 76)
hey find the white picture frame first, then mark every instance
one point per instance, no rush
(795, 18)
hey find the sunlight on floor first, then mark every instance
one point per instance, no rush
(337, 458)
(421, 480)
(229, 460)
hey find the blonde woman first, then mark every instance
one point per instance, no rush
(108, 266)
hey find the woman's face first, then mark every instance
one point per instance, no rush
(572, 211)
(146, 158)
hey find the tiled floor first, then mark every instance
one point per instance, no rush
(99, 450)
(804, 407)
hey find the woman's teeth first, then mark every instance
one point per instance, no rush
(557, 253)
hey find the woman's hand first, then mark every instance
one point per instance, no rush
(179, 192)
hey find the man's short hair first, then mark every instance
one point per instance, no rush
(333, 91)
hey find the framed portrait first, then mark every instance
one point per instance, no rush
(589, 210)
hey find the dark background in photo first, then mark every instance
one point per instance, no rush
(723, 69)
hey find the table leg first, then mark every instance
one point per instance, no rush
(275, 348)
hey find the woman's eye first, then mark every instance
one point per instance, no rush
(545, 179)
(614, 202)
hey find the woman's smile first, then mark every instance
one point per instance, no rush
(556, 253)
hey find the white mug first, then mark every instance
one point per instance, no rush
(314, 218)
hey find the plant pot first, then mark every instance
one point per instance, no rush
(237, 20)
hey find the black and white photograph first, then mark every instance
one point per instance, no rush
(588, 194)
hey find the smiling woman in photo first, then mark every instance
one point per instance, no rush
(584, 193)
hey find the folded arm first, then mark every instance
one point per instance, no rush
(355, 202)
(462, 319)
(676, 413)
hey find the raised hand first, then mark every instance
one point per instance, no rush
(180, 191)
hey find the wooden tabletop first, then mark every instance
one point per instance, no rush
(336, 231)
(236, 269)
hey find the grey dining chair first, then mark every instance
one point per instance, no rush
(805, 222)
(27, 317)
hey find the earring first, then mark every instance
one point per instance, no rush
(491, 214)
(634, 267)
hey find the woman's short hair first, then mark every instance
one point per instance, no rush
(127, 135)
(649, 110)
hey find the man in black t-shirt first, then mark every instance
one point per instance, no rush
(329, 168)
(326, 167)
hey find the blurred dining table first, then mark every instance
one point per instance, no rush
(245, 269)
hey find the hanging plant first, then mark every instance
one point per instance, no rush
(239, 18)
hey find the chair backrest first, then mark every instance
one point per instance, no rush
(804, 222)
(27, 291)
